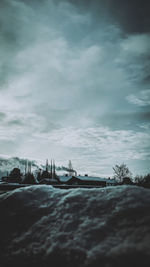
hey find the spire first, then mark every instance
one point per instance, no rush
(54, 169)
(51, 174)
(26, 167)
(29, 167)
(47, 165)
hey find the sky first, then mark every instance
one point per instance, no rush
(75, 83)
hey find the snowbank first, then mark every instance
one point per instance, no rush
(42, 226)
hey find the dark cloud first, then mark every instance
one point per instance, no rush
(147, 79)
(145, 116)
(133, 16)
(127, 120)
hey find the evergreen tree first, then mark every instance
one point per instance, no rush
(29, 179)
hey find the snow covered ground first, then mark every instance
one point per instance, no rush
(105, 227)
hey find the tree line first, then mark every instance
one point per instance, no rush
(123, 175)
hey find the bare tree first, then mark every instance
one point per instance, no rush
(138, 178)
(121, 172)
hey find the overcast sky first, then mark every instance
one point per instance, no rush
(75, 82)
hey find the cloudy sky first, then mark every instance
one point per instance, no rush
(75, 82)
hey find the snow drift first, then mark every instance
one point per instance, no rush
(43, 226)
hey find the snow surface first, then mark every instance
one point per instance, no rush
(106, 227)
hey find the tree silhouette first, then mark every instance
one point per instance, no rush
(15, 176)
(29, 179)
(121, 172)
(146, 181)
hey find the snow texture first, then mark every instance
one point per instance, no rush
(106, 227)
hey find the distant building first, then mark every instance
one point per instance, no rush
(78, 181)
(4, 179)
(49, 176)
(87, 180)
(127, 180)
(15, 176)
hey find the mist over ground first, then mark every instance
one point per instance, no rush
(107, 227)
